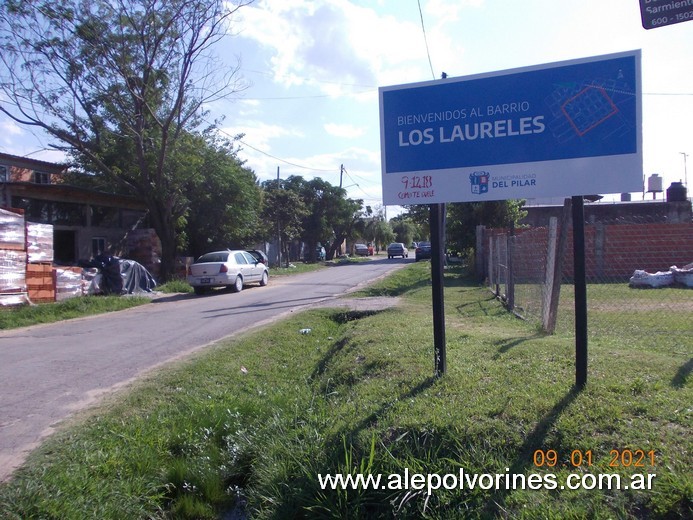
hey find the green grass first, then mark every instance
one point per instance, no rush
(178, 285)
(261, 416)
(14, 317)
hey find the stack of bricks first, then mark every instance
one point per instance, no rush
(40, 280)
(12, 258)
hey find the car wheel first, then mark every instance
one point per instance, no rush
(264, 279)
(200, 290)
(237, 285)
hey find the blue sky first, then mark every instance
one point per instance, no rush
(314, 67)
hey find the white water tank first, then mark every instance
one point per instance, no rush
(654, 183)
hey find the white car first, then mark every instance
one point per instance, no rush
(232, 269)
(397, 249)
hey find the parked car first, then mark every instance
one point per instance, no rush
(361, 249)
(320, 255)
(397, 249)
(232, 269)
(423, 250)
(259, 256)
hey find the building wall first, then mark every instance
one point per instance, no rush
(648, 211)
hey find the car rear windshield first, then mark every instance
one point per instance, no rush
(212, 257)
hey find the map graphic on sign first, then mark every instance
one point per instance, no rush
(561, 129)
(586, 105)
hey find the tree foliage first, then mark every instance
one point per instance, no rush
(463, 217)
(119, 86)
(461, 221)
(283, 213)
(224, 198)
(328, 217)
(406, 230)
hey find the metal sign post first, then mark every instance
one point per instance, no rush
(437, 271)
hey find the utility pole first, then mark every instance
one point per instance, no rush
(341, 174)
(279, 233)
(685, 169)
(437, 224)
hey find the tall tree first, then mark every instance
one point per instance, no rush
(405, 229)
(331, 215)
(463, 217)
(117, 84)
(283, 212)
(382, 235)
(225, 199)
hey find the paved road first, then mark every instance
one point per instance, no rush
(47, 372)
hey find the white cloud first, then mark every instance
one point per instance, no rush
(336, 45)
(8, 130)
(348, 131)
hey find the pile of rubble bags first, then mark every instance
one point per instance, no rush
(674, 277)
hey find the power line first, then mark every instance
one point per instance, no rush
(282, 160)
(423, 28)
(269, 154)
(341, 84)
(355, 183)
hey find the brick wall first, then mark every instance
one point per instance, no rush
(612, 251)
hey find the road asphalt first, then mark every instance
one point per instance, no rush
(49, 372)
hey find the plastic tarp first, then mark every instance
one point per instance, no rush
(12, 232)
(120, 276)
(136, 278)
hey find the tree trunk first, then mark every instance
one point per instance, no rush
(336, 243)
(163, 224)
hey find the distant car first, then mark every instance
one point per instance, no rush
(320, 255)
(423, 250)
(397, 249)
(361, 249)
(231, 269)
(259, 256)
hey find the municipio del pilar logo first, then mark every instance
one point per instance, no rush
(479, 182)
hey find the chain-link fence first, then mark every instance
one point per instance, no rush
(639, 272)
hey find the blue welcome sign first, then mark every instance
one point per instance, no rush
(562, 129)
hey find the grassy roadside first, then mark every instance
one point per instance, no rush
(15, 317)
(26, 315)
(261, 416)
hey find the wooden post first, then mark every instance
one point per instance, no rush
(547, 287)
(580, 284)
(555, 289)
